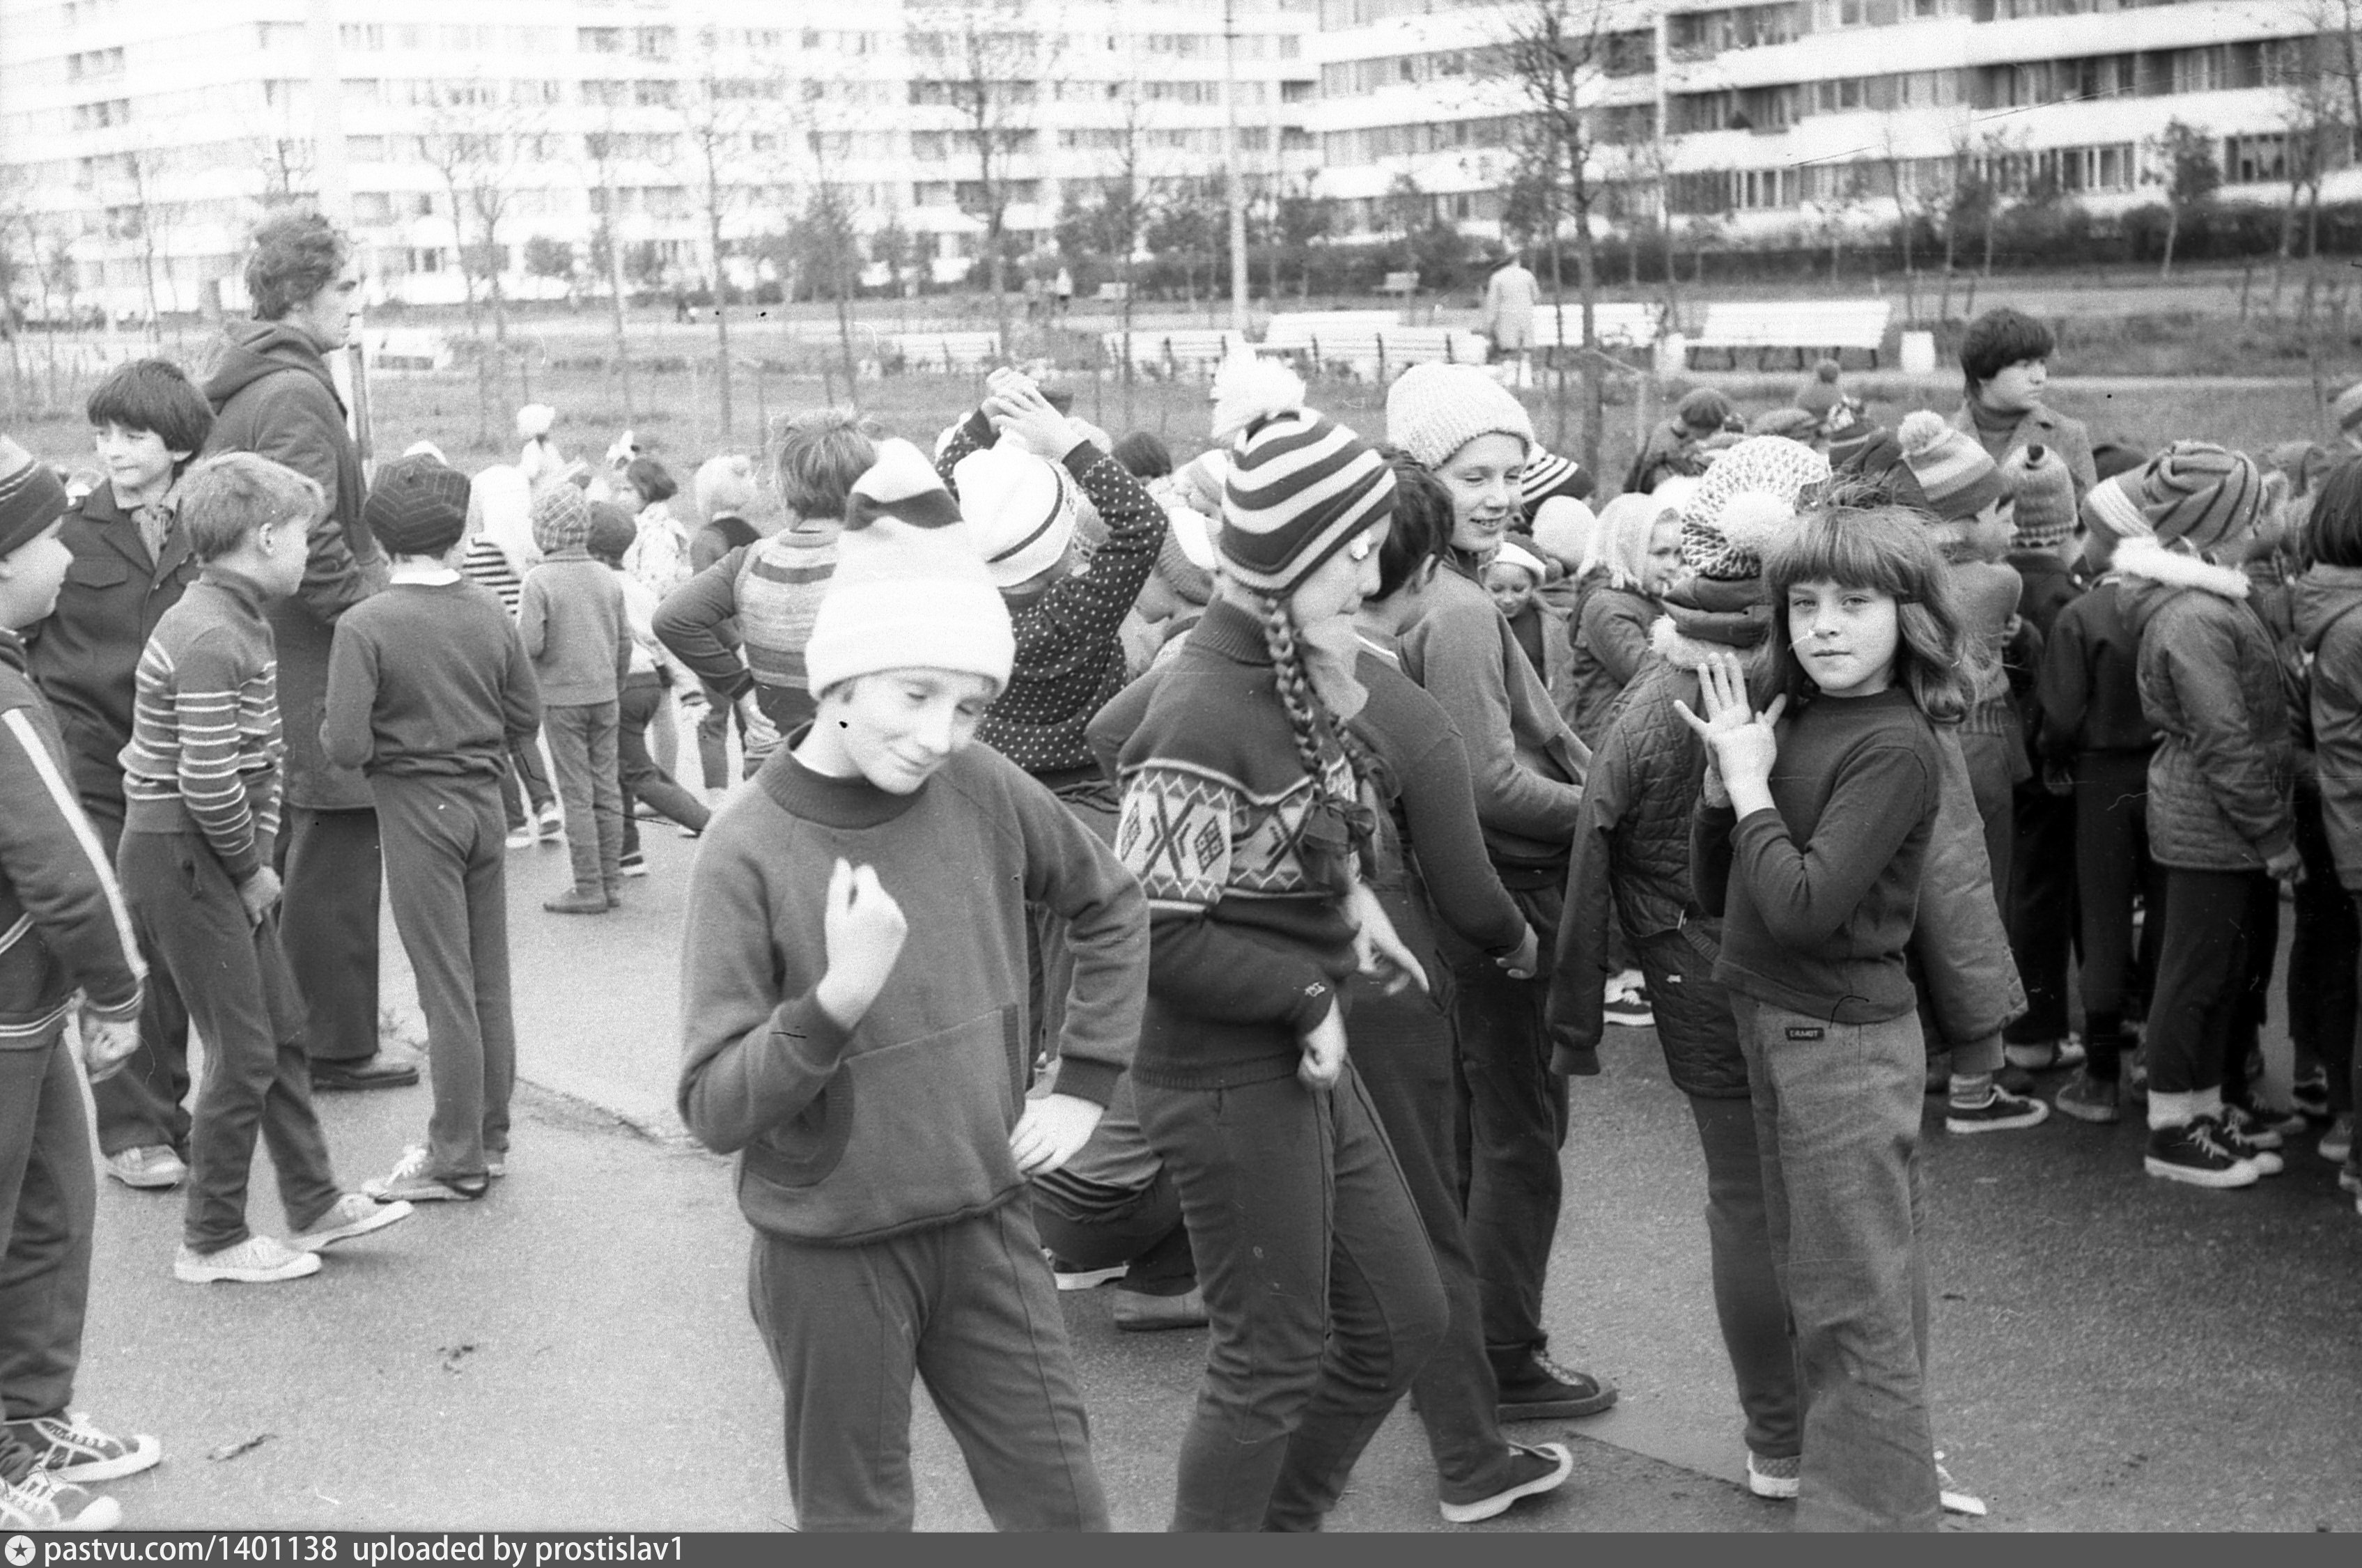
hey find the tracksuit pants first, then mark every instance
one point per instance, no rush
(332, 877)
(49, 1199)
(141, 1106)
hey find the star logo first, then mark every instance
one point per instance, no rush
(21, 1550)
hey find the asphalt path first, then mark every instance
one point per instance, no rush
(575, 1351)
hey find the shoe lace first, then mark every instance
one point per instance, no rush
(1557, 1372)
(38, 1499)
(2213, 1137)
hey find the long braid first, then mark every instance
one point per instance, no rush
(1314, 727)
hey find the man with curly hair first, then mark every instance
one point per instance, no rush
(268, 383)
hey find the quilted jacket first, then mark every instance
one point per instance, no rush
(2326, 603)
(2210, 682)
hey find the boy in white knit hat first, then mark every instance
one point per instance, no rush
(854, 1027)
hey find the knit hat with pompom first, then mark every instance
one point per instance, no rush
(2044, 516)
(1433, 410)
(2199, 494)
(1300, 486)
(1750, 495)
(1956, 475)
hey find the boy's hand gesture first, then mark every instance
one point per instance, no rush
(863, 928)
(260, 894)
(1052, 1131)
(1324, 1052)
(1378, 952)
(107, 1045)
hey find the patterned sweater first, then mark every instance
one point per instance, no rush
(1225, 831)
(205, 745)
(1069, 656)
(742, 624)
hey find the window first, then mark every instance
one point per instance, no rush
(599, 41)
(102, 115)
(652, 93)
(606, 95)
(652, 43)
(372, 207)
(367, 37)
(92, 65)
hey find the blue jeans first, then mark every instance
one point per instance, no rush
(1321, 1293)
(1836, 1123)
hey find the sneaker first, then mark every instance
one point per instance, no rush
(2137, 1070)
(2261, 1124)
(579, 901)
(524, 837)
(149, 1167)
(408, 1183)
(2242, 1142)
(1534, 1468)
(42, 1501)
(632, 865)
(1777, 1479)
(355, 1214)
(70, 1448)
(2196, 1152)
(1954, 1500)
(2001, 1113)
(550, 823)
(688, 832)
(1538, 1389)
(2309, 1096)
(496, 1165)
(2349, 1177)
(1071, 1277)
(2087, 1098)
(258, 1260)
(1631, 1006)
(1137, 1312)
(2337, 1143)
(2046, 1055)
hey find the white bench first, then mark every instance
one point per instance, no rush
(950, 352)
(1800, 326)
(1376, 353)
(1620, 325)
(1199, 350)
(1297, 330)
(405, 349)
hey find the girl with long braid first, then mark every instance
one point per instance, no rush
(1244, 820)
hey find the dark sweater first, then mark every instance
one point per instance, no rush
(901, 1122)
(1221, 825)
(571, 618)
(429, 681)
(205, 742)
(1820, 891)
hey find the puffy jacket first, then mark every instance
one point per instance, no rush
(62, 923)
(272, 395)
(2210, 682)
(86, 654)
(2323, 603)
(1609, 642)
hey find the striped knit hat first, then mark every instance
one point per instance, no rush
(2348, 409)
(1300, 486)
(1020, 508)
(1751, 491)
(2108, 508)
(1547, 474)
(2199, 494)
(561, 518)
(910, 590)
(30, 498)
(1434, 410)
(2044, 513)
(1957, 476)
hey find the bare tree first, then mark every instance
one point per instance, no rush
(2185, 158)
(480, 138)
(142, 217)
(985, 60)
(602, 149)
(726, 98)
(289, 173)
(1555, 53)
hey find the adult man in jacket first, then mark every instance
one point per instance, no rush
(272, 393)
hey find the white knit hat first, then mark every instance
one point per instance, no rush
(1020, 509)
(1432, 411)
(1513, 554)
(910, 590)
(1562, 530)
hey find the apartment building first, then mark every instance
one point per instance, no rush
(139, 141)
(1803, 114)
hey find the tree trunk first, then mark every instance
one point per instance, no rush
(1123, 330)
(1587, 264)
(843, 340)
(721, 308)
(1558, 315)
(2172, 232)
(615, 294)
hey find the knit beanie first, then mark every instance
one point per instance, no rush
(1300, 486)
(1019, 510)
(1956, 475)
(1703, 411)
(1513, 554)
(417, 507)
(2348, 409)
(910, 590)
(1434, 410)
(2199, 494)
(1820, 394)
(561, 518)
(30, 497)
(1563, 529)
(1547, 474)
(1746, 499)
(1796, 423)
(613, 531)
(2109, 508)
(2046, 497)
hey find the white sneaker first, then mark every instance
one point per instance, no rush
(1954, 1501)
(42, 1501)
(151, 1167)
(258, 1260)
(70, 1448)
(1777, 1479)
(551, 823)
(524, 837)
(355, 1214)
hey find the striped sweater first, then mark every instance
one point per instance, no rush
(205, 745)
(741, 624)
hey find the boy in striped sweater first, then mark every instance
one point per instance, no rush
(201, 783)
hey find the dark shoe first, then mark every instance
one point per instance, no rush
(579, 900)
(2196, 1153)
(632, 865)
(370, 1072)
(1998, 1111)
(1630, 1008)
(1532, 1469)
(1536, 1388)
(2309, 1097)
(1143, 1314)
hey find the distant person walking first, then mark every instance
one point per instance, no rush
(1511, 296)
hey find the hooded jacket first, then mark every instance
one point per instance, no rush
(1608, 643)
(272, 395)
(2218, 782)
(2322, 603)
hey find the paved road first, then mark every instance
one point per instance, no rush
(574, 1351)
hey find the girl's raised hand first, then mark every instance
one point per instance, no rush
(1743, 741)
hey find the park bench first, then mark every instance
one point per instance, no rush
(1114, 293)
(1800, 326)
(1400, 284)
(405, 349)
(1621, 324)
(1376, 351)
(950, 352)
(1199, 350)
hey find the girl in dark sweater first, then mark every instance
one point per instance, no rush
(1244, 821)
(1809, 841)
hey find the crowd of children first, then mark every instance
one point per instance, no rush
(1281, 830)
